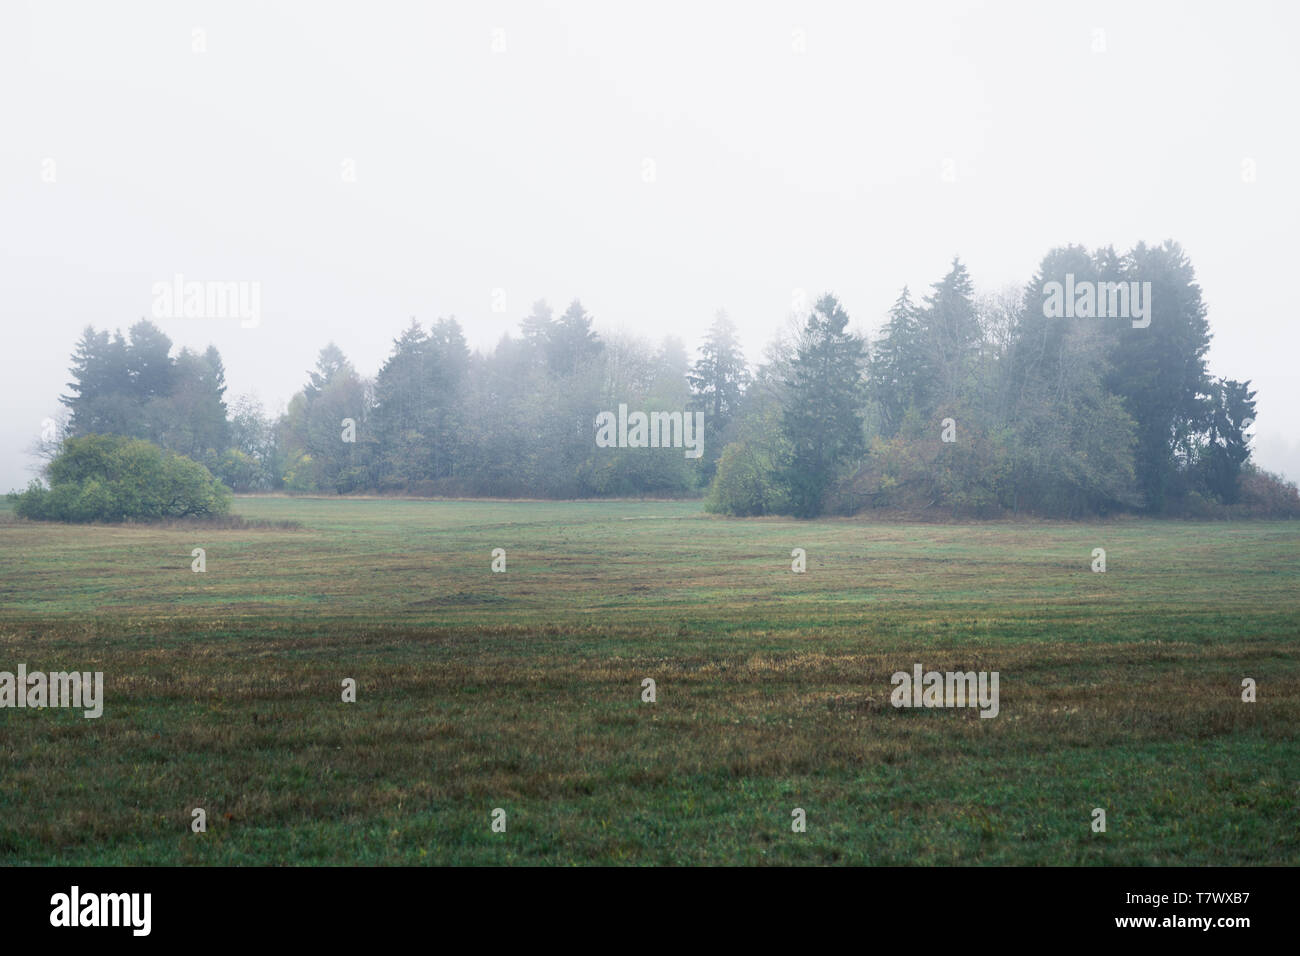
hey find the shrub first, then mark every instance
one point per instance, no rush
(746, 482)
(1263, 494)
(300, 476)
(112, 478)
(241, 471)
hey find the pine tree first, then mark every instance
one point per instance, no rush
(572, 341)
(91, 380)
(1159, 371)
(400, 420)
(1229, 406)
(718, 380)
(536, 330)
(149, 364)
(951, 333)
(900, 367)
(822, 418)
(330, 364)
(447, 370)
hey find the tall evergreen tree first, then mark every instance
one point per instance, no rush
(951, 333)
(822, 419)
(192, 419)
(100, 401)
(572, 341)
(401, 416)
(447, 369)
(330, 364)
(148, 361)
(718, 380)
(537, 328)
(901, 369)
(1159, 371)
(319, 459)
(1229, 406)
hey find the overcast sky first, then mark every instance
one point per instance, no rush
(659, 161)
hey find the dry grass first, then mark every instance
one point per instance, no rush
(522, 690)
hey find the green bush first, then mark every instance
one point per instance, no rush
(1263, 494)
(241, 471)
(300, 476)
(747, 482)
(112, 478)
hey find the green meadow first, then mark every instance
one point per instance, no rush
(522, 690)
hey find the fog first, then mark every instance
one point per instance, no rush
(366, 163)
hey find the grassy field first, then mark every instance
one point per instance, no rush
(522, 690)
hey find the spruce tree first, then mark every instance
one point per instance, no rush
(822, 418)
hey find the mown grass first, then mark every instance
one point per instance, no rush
(522, 690)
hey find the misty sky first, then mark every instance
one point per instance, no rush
(525, 169)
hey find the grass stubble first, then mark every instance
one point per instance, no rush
(522, 690)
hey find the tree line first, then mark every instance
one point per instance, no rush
(975, 404)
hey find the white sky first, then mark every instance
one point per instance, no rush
(523, 170)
